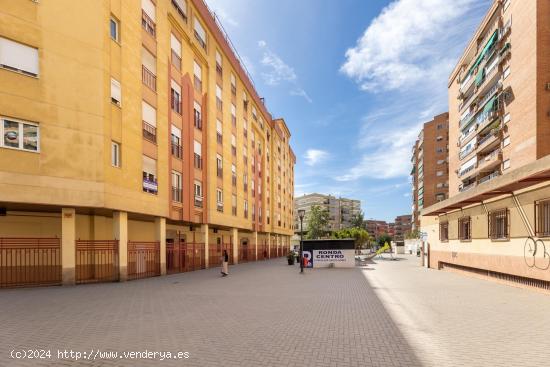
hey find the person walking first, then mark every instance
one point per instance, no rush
(225, 264)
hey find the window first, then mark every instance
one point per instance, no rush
(444, 231)
(439, 150)
(175, 97)
(507, 118)
(197, 76)
(219, 200)
(254, 113)
(176, 187)
(219, 166)
(439, 173)
(18, 57)
(200, 34)
(246, 208)
(245, 182)
(116, 94)
(464, 229)
(149, 118)
(234, 175)
(197, 116)
(197, 187)
(245, 102)
(439, 138)
(498, 224)
(506, 4)
(18, 134)
(175, 138)
(234, 204)
(114, 26)
(440, 126)
(542, 218)
(150, 184)
(181, 7)
(148, 15)
(219, 103)
(506, 164)
(233, 115)
(233, 145)
(440, 197)
(219, 68)
(175, 46)
(219, 132)
(148, 69)
(506, 72)
(197, 155)
(115, 154)
(233, 84)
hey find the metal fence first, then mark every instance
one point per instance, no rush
(195, 257)
(143, 259)
(97, 261)
(175, 256)
(30, 262)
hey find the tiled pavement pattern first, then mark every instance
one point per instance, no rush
(266, 314)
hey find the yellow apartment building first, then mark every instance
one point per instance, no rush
(496, 222)
(133, 144)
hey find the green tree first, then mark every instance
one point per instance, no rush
(317, 222)
(383, 238)
(358, 220)
(361, 236)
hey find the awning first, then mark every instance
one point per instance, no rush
(480, 77)
(487, 47)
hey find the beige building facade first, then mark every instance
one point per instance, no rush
(133, 135)
(496, 223)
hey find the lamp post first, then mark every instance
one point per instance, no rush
(301, 214)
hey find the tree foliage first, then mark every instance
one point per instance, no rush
(358, 220)
(361, 236)
(383, 238)
(317, 222)
(412, 235)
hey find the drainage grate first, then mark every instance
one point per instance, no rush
(503, 277)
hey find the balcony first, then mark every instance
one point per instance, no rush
(488, 178)
(489, 141)
(470, 171)
(148, 24)
(176, 60)
(467, 187)
(176, 194)
(465, 153)
(148, 78)
(177, 150)
(149, 132)
(490, 161)
(198, 201)
(150, 186)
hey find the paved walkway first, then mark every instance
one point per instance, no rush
(266, 314)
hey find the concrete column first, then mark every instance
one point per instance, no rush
(68, 245)
(120, 233)
(256, 243)
(160, 235)
(269, 243)
(206, 244)
(235, 237)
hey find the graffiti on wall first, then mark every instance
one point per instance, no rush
(535, 254)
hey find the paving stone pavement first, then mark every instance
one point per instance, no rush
(266, 314)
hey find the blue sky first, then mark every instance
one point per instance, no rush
(354, 80)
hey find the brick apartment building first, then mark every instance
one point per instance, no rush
(430, 172)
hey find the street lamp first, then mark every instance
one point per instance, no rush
(301, 214)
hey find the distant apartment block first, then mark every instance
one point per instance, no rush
(430, 159)
(496, 222)
(402, 226)
(397, 229)
(341, 210)
(377, 227)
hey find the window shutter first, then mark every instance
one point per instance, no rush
(148, 60)
(18, 56)
(176, 131)
(149, 8)
(219, 127)
(175, 86)
(197, 148)
(115, 90)
(197, 70)
(175, 44)
(149, 114)
(200, 30)
(218, 92)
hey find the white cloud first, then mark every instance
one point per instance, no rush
(407, 52)
(277, 72)
(403, 45)
(315, 156)
(219, 7)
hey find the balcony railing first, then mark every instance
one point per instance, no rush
(198, 201)
(233, 90)
(176, 60)
(467, 187)
(489, 159)
(219, 104)
(219, 70)
(219, 138)
(219, 207)
(175, 102)
(150, 186)
(491, 135)
(198, 120)
(489, 177)
(198, 84)
(465, 171)
(176, 194)
(233, 150)
(219, 172)
(197, 161)
(148, 78)
(234, 180)
(177, 150)
(148, 24)
(149, 132)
